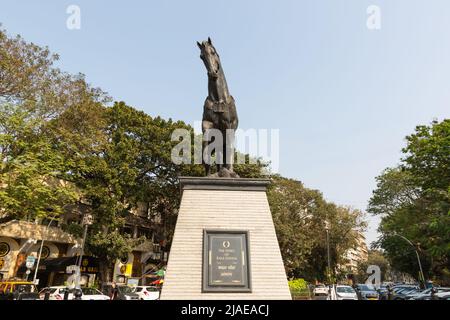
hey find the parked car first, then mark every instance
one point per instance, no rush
(124, 292)
(56, 293)
(443, 295)
(93, 294)
(147, 292)
(404, 294)
(398, 289)
(345, 293)
(320, 290)
(366, 292)
(18, 290)
(426, 294)
(402, 287)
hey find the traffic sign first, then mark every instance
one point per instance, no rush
(30, 262)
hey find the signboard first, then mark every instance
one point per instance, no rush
(133, 281)
(226, 263)
(126, 269)
(72, 269)
(30, 262)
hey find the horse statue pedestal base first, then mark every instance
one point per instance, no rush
(224, 246)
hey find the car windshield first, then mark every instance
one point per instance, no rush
(90, 291)
(125, 289)
(425, 291)
(50, 290)
(151, 289)
(406, 291)
(63, 290)
(25, 288)
(365, 287)
(345, 290)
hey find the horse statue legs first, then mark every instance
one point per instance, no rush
(224, 153)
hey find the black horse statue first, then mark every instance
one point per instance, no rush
(219, 112)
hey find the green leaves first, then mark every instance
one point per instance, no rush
(31, 168)
(414, 201)
(299, 214)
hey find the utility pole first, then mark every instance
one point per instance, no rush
(417, 255)
(40, 251)
(87, 221)
(327, 229)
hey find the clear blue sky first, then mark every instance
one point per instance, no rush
(342, 96)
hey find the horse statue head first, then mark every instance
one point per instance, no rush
(210, 58)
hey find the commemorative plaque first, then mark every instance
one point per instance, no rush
(226, 265)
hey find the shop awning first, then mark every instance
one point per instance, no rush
(88, 264)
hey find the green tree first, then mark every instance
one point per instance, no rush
(28, 77)
(414, 201)
(299, 214)
(30, 169)
(33, 93)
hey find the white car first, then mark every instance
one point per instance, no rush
(93, 294)
(345, 293)
(320, 290)
(426, 294)
(56, 293)
(147, 292)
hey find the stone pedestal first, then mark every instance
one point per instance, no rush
(224, 246)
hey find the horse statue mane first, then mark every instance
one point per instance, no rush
(219, 112)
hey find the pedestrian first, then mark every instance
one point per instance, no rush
(47, 294)
(77, 294)
(433, 293)
(389, 292)
(114, 291)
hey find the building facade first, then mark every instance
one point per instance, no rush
(356, 255)
(60, 250)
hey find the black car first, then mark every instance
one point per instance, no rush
(124, 292)
(21, 292)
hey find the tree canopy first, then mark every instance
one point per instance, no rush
(413, 200)
(299, 216)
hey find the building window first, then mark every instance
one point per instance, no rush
(4, 249)
(143, 232)
(128, 230)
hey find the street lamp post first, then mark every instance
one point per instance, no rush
(40, 251)
(327, 229)
(87, 221)
(417, 255)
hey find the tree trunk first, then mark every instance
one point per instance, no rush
(105, 274)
